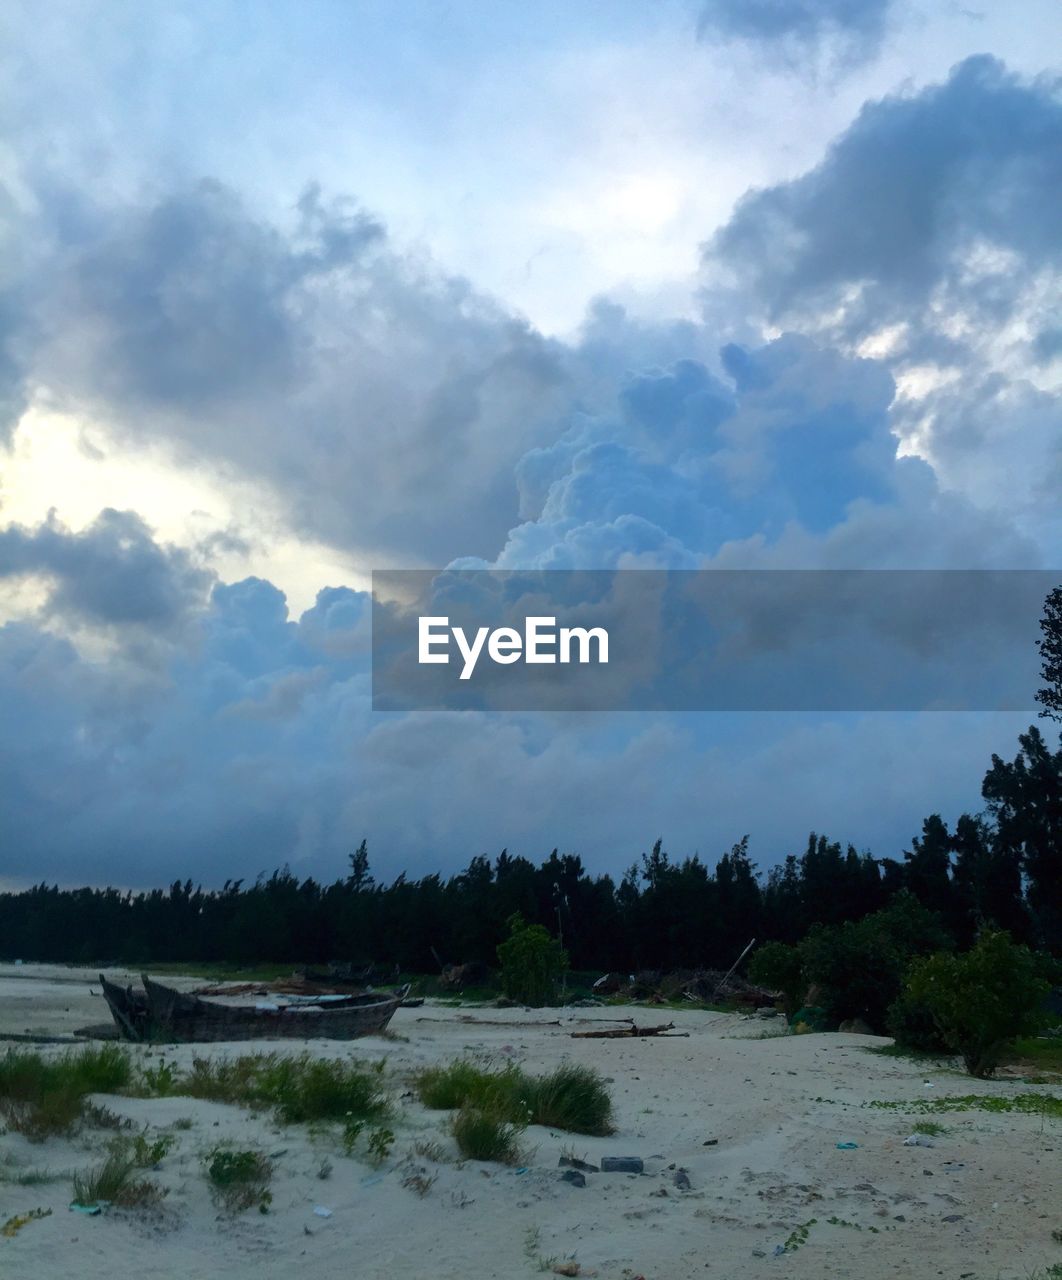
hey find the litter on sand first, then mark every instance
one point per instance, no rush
(847, 1146)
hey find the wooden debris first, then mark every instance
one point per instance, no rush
(620, 1033)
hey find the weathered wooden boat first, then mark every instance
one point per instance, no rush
(162, 1014)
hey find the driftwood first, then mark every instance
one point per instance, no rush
(625, 1033)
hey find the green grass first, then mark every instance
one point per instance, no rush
(41, 1097)
(114, 1182)
(571, 1097)
(930, 1128)
(485, 1135)
(299, 1090)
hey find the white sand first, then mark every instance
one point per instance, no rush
(776, 1107)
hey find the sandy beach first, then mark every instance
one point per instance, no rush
(753, 1117)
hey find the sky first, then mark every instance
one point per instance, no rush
(293, 292)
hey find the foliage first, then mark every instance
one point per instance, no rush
(114, 1183)
(779, 967)
(574, 1098)
(981, 1000)
(1050, 696)
(859, 967)
(912, 1025)
(532, 962)
(1034, 1104)
(240, 1179)
(570, 1097)
(41, 1097)
(485, 1135)
(299, 1089)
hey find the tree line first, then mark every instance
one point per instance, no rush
(1001, 868)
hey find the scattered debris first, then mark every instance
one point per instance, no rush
(918, 1140)
(573, 1162)
(573, 1176)
(321, 1211)
(682, 1180)
(622, 1164)
(847, 1146)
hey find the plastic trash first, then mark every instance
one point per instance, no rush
(92, 1210)
(847, 1146)
(573, 1176)
(321, 1211)
(918, 1140)
(622, 1164)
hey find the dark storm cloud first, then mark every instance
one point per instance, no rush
(112, 573)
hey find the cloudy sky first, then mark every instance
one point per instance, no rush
(289, 292)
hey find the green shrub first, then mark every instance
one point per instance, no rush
(859, 968)
(983, 1000)
(240, 1179)
(779, 967)
(532, 963)
(485, 1135)
(447, 1088)
(912, 1026)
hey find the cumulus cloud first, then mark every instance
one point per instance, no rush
(384, 402)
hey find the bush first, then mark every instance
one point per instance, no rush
(981, 1001)
(532, 963)
(912, 1026)
(859, 967)
(778, 967)
(485, 1135)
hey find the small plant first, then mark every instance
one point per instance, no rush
(183, 1123)
(983, 1000)
(240, 1179)
(352, 1127)
(799, 1236)
(324, 1170)
(429, 1150)
(146, 1154)
(419, 1180)
(160, 1081)
(484, 1135)
(380, 1143)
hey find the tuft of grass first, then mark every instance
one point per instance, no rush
(571, 1097)
(930, 1128)
(485, 1135)
(114, 1183)
(41, 1097)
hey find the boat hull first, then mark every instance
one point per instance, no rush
(163, 1014)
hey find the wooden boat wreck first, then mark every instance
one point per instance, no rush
(159, 1013)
